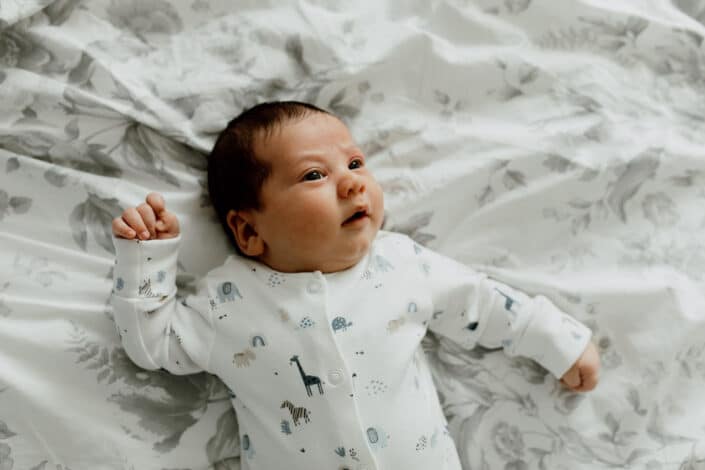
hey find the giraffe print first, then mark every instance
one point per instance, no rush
(307, 379)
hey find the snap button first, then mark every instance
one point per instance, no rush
(314, 286)
(335, 377)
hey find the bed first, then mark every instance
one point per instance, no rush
(556, 145)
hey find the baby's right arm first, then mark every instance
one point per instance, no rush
(157, 330)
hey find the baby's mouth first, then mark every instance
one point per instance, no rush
(356, 216)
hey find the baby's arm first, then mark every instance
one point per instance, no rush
(479, 310)
(156, 330)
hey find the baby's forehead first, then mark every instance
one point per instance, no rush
(311, 134)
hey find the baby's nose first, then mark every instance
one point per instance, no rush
(350, 185)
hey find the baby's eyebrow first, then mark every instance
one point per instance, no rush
(320, 154)
(308, 157)
(303, 162)
(351, 151)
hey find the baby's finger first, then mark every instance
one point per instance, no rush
(134, 220)
(157, 202)
(572, 378)
(149, 218)
(121, 229)
(589, 382)
(168, 225)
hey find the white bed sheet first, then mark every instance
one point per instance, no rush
(556, 145)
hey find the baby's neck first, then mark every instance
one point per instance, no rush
(325, 267)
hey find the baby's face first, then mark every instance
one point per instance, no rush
(321, 206)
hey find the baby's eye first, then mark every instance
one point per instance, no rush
(357, 163)
(313, 175)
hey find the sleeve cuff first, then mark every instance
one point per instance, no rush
(145, 269)
(553, 339)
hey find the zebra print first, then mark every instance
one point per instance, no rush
(145, 289)
(297, 412)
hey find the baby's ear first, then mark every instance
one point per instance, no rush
(241, 224)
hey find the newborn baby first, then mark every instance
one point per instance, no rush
(315, 325)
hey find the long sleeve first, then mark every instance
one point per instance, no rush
(156, 329)
(470, 308)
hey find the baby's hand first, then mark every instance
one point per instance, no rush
(150, 220)
(584, 374)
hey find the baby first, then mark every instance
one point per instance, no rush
(315, 326)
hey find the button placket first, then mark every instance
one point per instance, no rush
(337, 377)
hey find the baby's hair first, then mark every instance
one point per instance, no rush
(235, 174)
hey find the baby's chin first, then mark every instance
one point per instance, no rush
(342, 260)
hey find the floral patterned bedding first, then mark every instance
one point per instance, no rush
(556, 145)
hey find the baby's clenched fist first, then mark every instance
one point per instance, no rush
(148, 221)
(584, 374)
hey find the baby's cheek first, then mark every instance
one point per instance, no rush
(312, 219)
(377, 197)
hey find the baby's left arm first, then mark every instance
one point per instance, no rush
(470, 308)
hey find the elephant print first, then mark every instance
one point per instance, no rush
(382, 265)
(227, 292)
(247, 446)
(377, 438)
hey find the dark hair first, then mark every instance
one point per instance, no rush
(235, 174)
